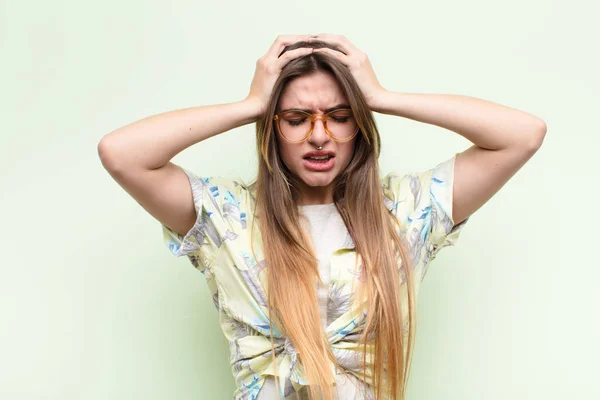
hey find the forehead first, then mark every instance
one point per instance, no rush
(317, 92)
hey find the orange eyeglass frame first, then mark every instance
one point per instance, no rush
(313, 119)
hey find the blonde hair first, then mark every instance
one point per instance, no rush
(292, 267)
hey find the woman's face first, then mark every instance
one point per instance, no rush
(316, 92)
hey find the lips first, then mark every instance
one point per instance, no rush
(319, 165)
(319, 155)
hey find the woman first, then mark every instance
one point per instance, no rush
(315, 267)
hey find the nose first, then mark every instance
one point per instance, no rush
(319, 136)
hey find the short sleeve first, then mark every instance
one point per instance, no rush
(423, 203)
(219, 204)
(439, 182)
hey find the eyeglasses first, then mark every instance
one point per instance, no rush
(294, 125)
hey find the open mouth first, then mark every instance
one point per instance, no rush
(319, 158)
(319, 163)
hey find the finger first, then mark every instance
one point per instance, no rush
(343, 44)
(289, 55)
(282, 41)
(340, 56)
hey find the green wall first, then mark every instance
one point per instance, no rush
(93, 305)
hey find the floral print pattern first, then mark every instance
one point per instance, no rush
(219, 246)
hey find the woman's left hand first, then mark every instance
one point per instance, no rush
(358, 63)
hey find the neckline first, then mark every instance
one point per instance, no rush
(316, 206)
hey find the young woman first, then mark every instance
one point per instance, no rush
(315, 267)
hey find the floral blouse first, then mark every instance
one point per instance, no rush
(218, 245)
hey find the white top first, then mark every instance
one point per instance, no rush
(328, 233)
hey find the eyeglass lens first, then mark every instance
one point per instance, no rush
(295, 125)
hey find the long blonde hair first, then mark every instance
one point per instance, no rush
(292, 267)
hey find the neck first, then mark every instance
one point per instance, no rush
(315, 195)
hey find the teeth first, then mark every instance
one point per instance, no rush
(319, 157)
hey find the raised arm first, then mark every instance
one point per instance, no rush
(138, 155)
(504, 138)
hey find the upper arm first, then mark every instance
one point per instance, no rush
(197, 213)
(165, 193)
(480, 173)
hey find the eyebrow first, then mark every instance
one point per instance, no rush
(340, 106)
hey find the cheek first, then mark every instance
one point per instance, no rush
(346, 152)
(287, 155)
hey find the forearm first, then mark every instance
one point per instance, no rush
(153, 141)
(486, 124)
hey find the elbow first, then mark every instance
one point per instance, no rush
(536, 138)
(106, 153)
(540, 133)
(542, 127)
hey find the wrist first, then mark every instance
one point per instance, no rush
(255, 108)
(377, 100)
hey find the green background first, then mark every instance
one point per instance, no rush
(93, 304)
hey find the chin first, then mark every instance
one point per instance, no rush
(324, 179)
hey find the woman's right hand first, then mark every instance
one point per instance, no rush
(269, 66)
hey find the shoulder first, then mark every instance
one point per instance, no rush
(402, 190)
(412, 190)
(219, 190)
